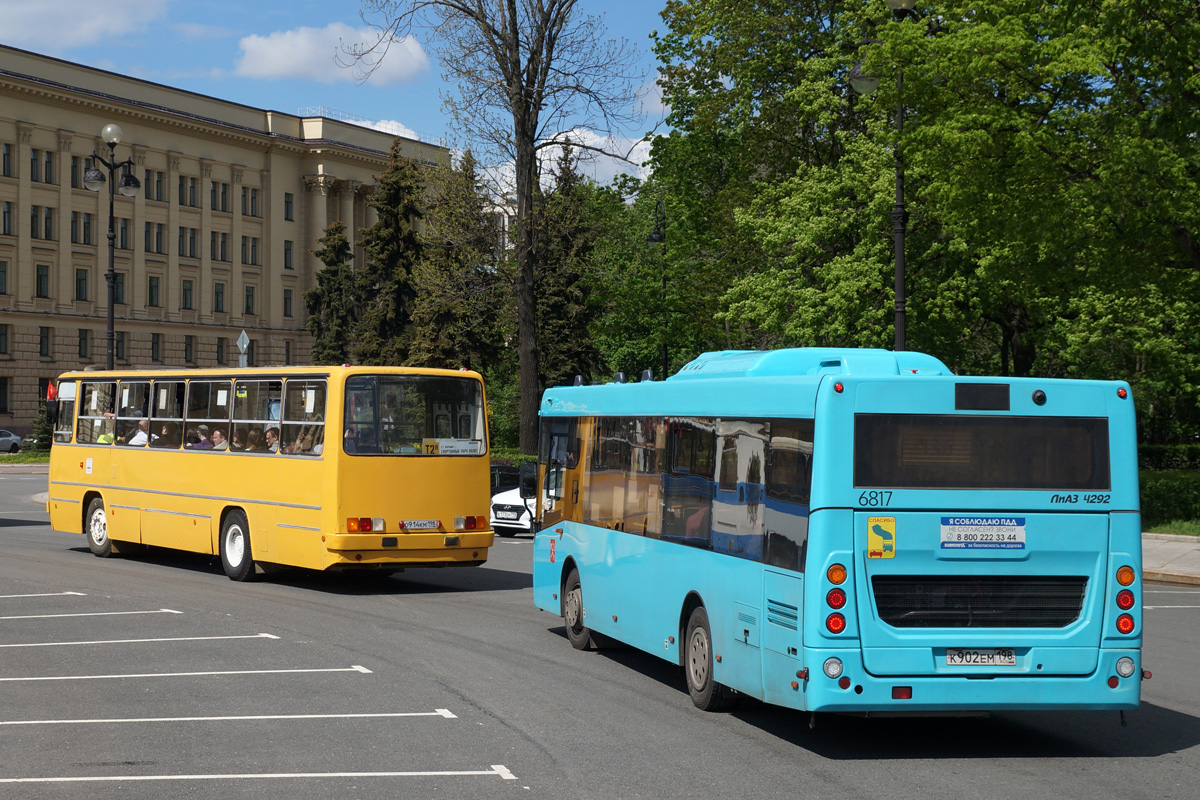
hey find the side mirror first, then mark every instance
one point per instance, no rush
(52, 412)
(527, 479)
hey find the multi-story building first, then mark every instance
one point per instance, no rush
(217, 240)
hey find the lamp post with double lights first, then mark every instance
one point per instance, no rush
(94, 180)
(864, 85)
(658, 237)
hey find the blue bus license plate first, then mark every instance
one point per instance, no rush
(981, 657)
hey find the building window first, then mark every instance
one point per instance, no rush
(182, 191)
(4, 381)
(118, 287)
(192, 235)
(250, 362)
(182, 241)
(81, 284)
(289, 206)
(245, 200)
(212, 245)
(249, 305)
(149, 236)
(287, 254)
(224, 246)
(123, 236)
(75, 173)
(218, 297)
(152, 291)
(3, 277)
(159, 232)
(87, 228)
(35, 160)
(45, 337)
(287, 302)
(155, 347)
(212, 195)
(48, 230)
(48, 172)
(42, 280)
(220, 349)
(119, 345)
(6, 220)
(35, 222)
(6, 170)
(245, 249)
(189, 349)
(84, 344)
(3, 338)
(185, 294)
(287, 354)
(192, 201)
(253, 202)
(254, 250)
(74, 227)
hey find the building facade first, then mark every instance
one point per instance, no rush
(217, 240)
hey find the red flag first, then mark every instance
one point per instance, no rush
(51, 392)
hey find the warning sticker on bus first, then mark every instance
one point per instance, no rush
(983, 533)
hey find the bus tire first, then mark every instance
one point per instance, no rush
(236, 556)
(707, 694)
(97, 529)
(572, 612)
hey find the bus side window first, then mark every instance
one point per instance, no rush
(66, 412)
(97, 413)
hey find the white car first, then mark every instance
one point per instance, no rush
(511, 514)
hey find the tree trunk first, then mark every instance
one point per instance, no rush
(527, 254)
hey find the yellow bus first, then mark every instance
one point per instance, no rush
(327, 468)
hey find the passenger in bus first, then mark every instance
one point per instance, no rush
(239, 439)
(167, 437)
(254, 440)
(191, 439)
(203, 443)
(218, 440)
(141, 436)
(272, 436)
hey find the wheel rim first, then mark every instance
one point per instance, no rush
(698, 658)
(98, 527)
(235, 545)
(571, 609)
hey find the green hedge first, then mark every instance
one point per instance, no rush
(1169, 495)
(1169, 456)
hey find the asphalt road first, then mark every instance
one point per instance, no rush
(156, 676)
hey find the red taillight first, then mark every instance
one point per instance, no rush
(1125, 624)
(469, 523)
(1122, 393)
(844, 683)
(1125, 600)
(1113, 682)
(838, 387)
(902, 693)
(835, 623)
(836, 598)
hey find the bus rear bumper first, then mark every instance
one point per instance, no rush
(357, 551)
(983, 692)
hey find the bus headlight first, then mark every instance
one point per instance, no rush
(832, 667)
(1125, 666)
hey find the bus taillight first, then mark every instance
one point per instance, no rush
(836, 598)
(1124, 599)
(1125, 624)
(1125, 575)
(364, 524)
(836, 574)
(470, 523)
(836, 623)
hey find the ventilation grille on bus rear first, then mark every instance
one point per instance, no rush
(979, 601)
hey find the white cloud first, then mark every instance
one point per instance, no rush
(196, 30)
(309, 53)
(391, 126)
(597, 166)
(56, 26)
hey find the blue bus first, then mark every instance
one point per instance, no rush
(848, 530)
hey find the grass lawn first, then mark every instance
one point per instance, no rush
(26, 457)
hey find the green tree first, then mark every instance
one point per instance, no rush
(392, 251)
(331, 304)
(43, 431)
(456, 317)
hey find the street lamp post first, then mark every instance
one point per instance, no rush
(865, 84)
(656, 237)
(94, 180)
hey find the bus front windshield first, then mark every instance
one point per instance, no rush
(414, 415)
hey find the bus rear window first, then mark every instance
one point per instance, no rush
(414, 415)
(930, 451)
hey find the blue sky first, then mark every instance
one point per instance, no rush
(272, 54)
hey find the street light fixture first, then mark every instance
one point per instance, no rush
(657, 237)
(864, 85)
(94, 180)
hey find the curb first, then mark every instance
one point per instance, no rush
(1174, 578)
(1171, 537)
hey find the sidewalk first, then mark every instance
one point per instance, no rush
(1165, 558)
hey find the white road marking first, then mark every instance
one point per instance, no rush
(497, 769)
(134, 641)
(1157, 607)
(46, 594)
(355, 668)
(93, 614)
(441, 712)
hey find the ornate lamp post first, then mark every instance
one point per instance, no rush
(865, 84)
(657, 237)
(94, 180)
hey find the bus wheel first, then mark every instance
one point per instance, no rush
(707, 694)
(97, 529)
(236, 557)
(572, 612)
